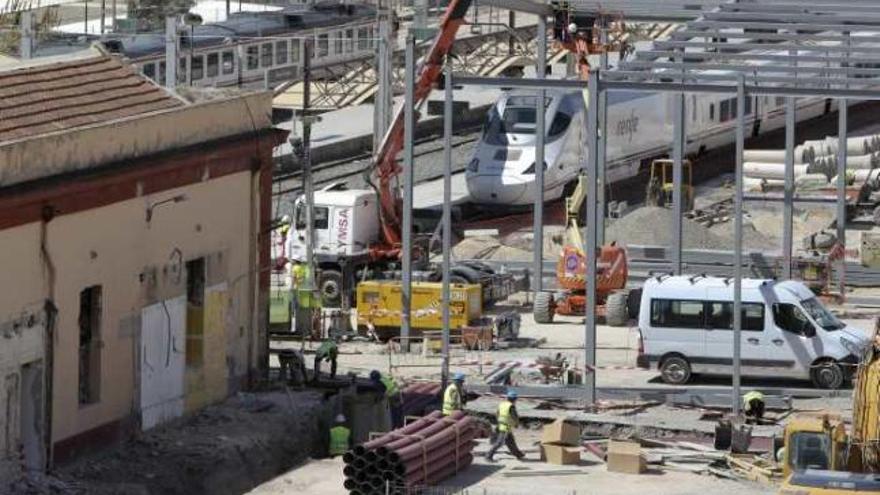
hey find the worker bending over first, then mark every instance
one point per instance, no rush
(453, 395)
(327, 352)
(392, 393)
(753, 406)
(340, 437)
(507, 421)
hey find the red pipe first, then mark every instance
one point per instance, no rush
(406, 430)
(437, 440)
(450, 470)
(437, 457)
(439, 471)
(426, 432)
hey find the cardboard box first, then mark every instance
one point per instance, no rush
(625, 457)
(560, 454)
(561, 432)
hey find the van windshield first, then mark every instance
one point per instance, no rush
(820, 313)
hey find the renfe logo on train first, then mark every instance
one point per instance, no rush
(629, 126)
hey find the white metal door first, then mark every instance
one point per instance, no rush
(163, 355)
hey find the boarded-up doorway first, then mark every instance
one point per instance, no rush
(163, 353)
(31, 411)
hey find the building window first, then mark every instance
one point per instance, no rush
(195, 311)
(228, 62)
(676, 313)
(281, 52)
(266, 55)
(198, 67)
(253, 57)
(338, 43)
(363, 42)
(323, 45)
(213, 64)
(294, 51)
(349, 40)
(90, 345)
(150, 71)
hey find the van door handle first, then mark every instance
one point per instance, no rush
(778, 341)
(753, 340)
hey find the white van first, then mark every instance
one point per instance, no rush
(686, 328)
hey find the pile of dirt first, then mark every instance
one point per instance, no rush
(225, 449)
(652, 226)
(488, 248)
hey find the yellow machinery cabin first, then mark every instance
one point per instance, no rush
(379, 304)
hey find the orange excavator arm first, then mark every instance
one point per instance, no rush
(385, 164)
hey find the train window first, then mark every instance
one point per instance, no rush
(149, 70)
(337, 45)
(161, 78)
(323, 45)
(748, 106)
(712, 112)
(266, 55)
(228, 62)
(281, 52)
(181, 70)
(198, 67)
(213, 64)
(349, 41)
(372, 38)
(780, 100)
(728, 110)
(363, 42)
(560, 123)
(693, 108)
(253, 57)
(294, 51)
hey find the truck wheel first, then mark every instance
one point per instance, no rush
(615, 309)
(634, 303)
(544, 307)
(330, 285)
(675, 370)
(827, 375)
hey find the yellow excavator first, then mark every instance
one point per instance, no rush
(820, 458)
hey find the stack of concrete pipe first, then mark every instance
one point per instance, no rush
(425, 452)
(420, 398)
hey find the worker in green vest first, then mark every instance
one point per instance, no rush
(304, 303)
(753, 406)
(392, 393)
(452, 396)
(328, 351)
(340, 437)
(507, 421)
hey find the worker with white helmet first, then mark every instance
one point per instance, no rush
(507, 421)
(340, 437)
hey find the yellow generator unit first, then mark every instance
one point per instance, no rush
(379, 304)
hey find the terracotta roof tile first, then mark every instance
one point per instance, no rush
(55, 97)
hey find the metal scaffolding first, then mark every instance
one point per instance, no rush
(766, 47)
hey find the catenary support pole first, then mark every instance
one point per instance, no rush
(602, 186)
(383, 102)
(678, 132)
(308, 181)
(26, 46)
(540, 133)
(447, 217)
(590, 240)
(171, 52)
(408, 159)
(843, 111)
(788, 206)
(737, 243)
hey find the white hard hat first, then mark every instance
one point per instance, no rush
(340, 418)
(572, 28)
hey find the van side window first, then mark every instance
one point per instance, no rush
(676, 313)
(791, 319)
(721, 316)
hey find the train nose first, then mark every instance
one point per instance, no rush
(498, 189)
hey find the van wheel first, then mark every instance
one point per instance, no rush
(675, 370)
(544, 307)
(828, 375)
(615, 309)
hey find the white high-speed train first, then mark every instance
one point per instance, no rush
(639, 128)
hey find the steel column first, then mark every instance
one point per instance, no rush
(841, 187)
(383, 102)
(677, 165)
(603, 147)
(788, 207)
(308, 180)
(590, 240)
(447, 218)
(540, 133)
(170, 52)
(737, 244)
(408, 159)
